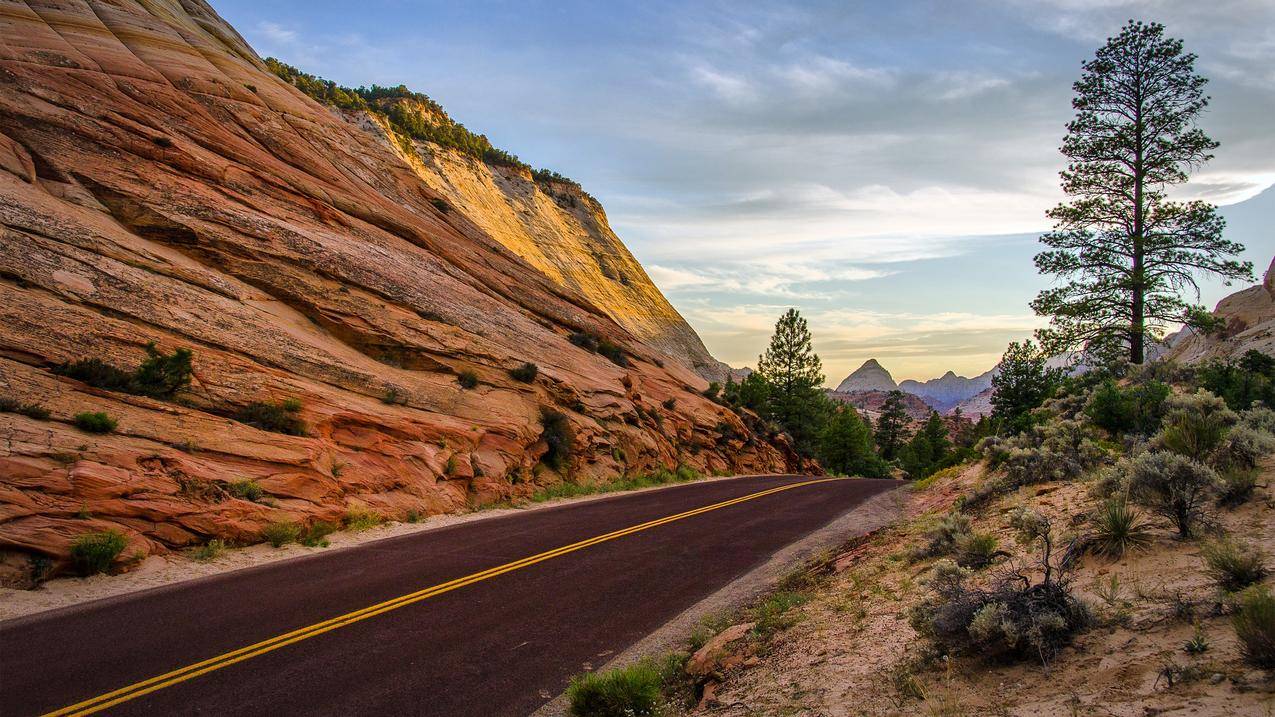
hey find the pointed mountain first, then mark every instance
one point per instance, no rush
(871, 376)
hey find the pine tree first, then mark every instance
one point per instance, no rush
(892, 426)
(794, 374)
(845, 446)
(1023, 383)
(1126, 252)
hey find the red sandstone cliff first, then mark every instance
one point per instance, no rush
(159, 185)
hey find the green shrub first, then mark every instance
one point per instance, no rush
(1236, 487)
(361, 519)
(525, 373)
(1242, 448)
(559, 439)
(976, 550)
(316, 535)
(96, 373)
(469, 379)
(160, 375)
(1194, 424)
(1254, 624)
(1118, 528)
(274, 417)
(775, 612)
(1233, 565)
(208, 551)
(1171, 486)
(1259, 418)
(1242, 382)
(1135, 409)
(30, 410)
(94, 553)
(941, 539)
(714, 388)
(669, 404)
(246, 489)
(95, 422)
(584, 340)
(1027, 612)
(281, 533)
(632, 691)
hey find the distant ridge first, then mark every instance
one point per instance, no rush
(942, 394)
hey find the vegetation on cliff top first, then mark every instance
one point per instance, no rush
(418, 118)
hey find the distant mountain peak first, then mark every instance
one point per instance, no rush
(871, 376)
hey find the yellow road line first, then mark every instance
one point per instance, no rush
(138, 689)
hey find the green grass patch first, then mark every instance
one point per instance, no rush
(95, 422)
(316, 536)
(281, 533)
(208, 551)
(633, 691)
(94, 553)
(663, 476)
(360, 519)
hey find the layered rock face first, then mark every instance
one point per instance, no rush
(160, 185)
(1248, 318)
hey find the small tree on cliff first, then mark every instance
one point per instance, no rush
(794, 374)
(1125, 251)
(892, 426)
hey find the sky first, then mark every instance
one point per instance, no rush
(885, 168)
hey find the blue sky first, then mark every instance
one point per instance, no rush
(883, 167)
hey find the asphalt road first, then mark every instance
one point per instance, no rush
(489, 617)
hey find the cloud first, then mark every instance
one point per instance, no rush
(277, 33)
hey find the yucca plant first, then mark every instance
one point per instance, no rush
(1118, 528)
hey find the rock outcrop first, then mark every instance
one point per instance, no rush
(158, 184)
(870, 403)
(1248, 323)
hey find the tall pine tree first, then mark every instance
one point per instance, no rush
(892, 424)
(1126, 252)
(794, 374)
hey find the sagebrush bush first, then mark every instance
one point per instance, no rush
(95, 422)
(94, 553)
(941, 538)
(281, 533)
(976, 550)
(1017, 615)
(1233, 565)
(1254, 624)
(1235, 487)
(1242, 448)
(1194, 424)
(1118, 528)
(274, 417)
(632, 691)
(1172, 486)
(1259, 418)
(525, 373)
(1060, 449)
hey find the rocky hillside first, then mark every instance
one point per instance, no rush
(870, 403)
(362, 336)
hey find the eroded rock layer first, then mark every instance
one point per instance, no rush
(159, 185)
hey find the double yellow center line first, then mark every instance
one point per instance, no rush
(192, 671)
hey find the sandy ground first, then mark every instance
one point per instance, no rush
(853, 636)
(160, 570)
